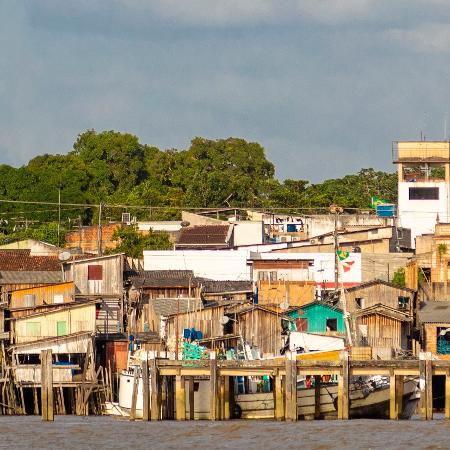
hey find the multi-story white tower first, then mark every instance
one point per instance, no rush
(423, 184)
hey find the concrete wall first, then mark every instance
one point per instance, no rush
(214, 264)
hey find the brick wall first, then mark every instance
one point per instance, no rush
(86, 238)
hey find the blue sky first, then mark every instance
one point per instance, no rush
(324, 85)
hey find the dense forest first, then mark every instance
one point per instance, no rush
(115, 168)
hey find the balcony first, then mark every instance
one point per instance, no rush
(421, 151)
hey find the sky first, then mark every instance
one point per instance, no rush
(324, 86)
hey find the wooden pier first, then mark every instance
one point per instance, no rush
(284, 374)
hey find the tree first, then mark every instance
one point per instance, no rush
(399, 278)
(133, 243)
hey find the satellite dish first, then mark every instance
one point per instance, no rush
(284, 306)
(185, 223)
(224, 320)
(64, 256)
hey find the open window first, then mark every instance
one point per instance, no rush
(360, 302)
(403, 302)
(331, 324)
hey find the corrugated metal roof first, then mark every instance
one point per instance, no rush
(30, 277)
(164, 278)
(204, 235)
(227, 286)
(435, 312)
(172, 306)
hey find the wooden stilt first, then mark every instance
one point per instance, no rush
(447, 395)
(429, 387)
(180, 398)
(134, 394)
(393, 410)
(291, 387)
(156, 389)
(226, 398)
(61, 396)
(343, 400)
(47, 385)
(191, 398)
(213, 412)
(35, 401)
(145, 391)
(278, 396)
(317, 385)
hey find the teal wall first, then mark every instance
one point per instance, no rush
(317, 316)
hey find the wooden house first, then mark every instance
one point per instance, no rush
(384, 327)
(257, 326)
(318, 317)
(66, 319)
(376, 292)
(217, 291)
(283, 281)
(101, 278)
(434, 318)
(53, 294)
(20, 269)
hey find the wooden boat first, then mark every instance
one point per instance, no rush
(363, 403)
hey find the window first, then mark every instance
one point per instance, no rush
(424, 193)
(403, 302)
(58, 298)
(331, 324)
(61, 329)
(443, 340)
(95, 272)
(273, 275)
(360, 303)
(33, 329)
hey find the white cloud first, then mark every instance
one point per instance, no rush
(426, 38)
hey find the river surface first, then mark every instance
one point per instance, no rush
(96, 432)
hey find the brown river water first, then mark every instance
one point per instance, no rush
(96, 432)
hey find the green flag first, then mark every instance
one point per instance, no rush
(378, 201)
(342, 255)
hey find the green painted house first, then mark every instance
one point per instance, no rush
(317, 317)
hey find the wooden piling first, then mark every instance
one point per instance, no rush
(180, 398)
(317, 385)
(213, 413)
(145, 392)
(134, 394)
(447, 394)
(343, 381)
(155, 391)
(191, 398)
(393, 407)
(278, 396)
(226, 399)
(291, 388)
(47, 385)
(428, 387)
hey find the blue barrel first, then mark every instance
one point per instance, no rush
(291, 228)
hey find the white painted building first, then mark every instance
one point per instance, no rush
(423, 185)
(214, 264)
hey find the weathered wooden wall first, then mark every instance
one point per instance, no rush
(42, 295)
(383, 331)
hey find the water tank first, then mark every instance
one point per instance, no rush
(386, 210)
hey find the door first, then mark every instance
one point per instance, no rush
(61, 328)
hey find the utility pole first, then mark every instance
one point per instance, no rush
(59, 214)
(336, 210)
(99, 230)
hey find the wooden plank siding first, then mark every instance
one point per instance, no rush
(111, 282)
(45, 325)
(383, 331)
(43, 295)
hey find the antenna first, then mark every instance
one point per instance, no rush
(64, 256)
(284, 306)
(224, 320)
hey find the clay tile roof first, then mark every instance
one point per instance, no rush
(20, 260)
(205, 235)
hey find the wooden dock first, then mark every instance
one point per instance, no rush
(284, 374)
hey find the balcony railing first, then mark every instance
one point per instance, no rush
(425, 151)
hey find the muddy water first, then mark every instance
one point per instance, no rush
(71, 432)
